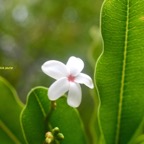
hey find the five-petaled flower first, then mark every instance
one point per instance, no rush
(68, 78)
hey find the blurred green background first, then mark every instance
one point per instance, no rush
(34, 31)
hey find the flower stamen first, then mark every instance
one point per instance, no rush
(71, 78)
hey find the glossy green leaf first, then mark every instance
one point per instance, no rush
(93, 55)
(10, 109)
(96, 46)
(120, 70)
(33, 119)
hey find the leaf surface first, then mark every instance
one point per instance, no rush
(10, 108)
(120, 70)
(34, 122)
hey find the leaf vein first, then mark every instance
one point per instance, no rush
(9, 133)
(41, 107)
(123, 75)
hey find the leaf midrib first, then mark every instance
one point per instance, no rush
(123, 76)
(40, 105)
(9, 133)
(42, 110)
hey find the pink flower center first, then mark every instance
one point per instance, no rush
(71, 78)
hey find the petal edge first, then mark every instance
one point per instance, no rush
(75, 65)
(74, 95)
(58, 88)
(55, 69)
(84, 79)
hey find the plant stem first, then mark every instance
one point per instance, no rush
(52, 108)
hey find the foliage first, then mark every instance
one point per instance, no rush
(37, 117)
(114, 115)
(34, 31)
(10, 109)
(120, 70)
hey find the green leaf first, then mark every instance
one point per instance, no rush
(10, 108)
(96, 46)
(33, 119)
(93, 55)
(120, 70)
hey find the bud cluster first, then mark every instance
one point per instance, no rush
(54, 136)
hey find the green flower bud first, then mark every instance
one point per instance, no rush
(54, 136)
(55, 131)
(60, 136)
(49, 138)
(53, 104)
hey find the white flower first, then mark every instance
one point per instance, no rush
(68, 78)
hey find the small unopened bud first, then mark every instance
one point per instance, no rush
(54, 136)
(53, 104)
(48, 141)
(60, 136)
(55, 131)
(49, 137)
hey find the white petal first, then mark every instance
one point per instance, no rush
(58, 88)
(55, 69)
(84, 79)
(74, 95)
(75, 65)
